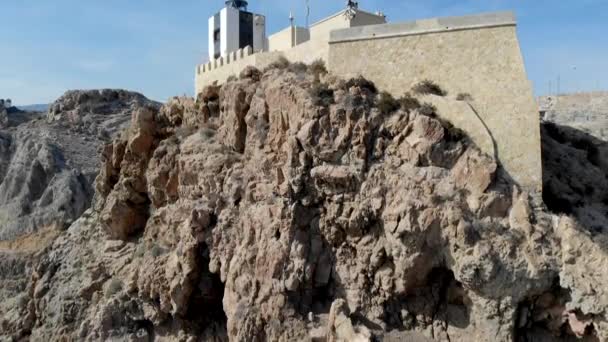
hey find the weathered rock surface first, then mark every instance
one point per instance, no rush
(47, 167)
(280, 208)
(576, 175)
(47, 170)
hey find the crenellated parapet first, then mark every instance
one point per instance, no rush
(477, 55)
(222, 61)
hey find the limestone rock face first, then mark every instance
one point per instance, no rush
(285, 206)
(576, 175)
(77, 106)
(47, 168)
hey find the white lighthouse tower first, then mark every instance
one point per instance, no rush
(234, 28)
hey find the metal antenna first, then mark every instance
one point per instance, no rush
(291, 18)
(307, 13)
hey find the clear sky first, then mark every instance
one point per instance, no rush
(152, 46)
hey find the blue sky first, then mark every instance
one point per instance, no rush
(152, 46)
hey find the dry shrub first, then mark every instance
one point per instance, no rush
(280, 63)
(297, 68)
(429, 87)
(428, 110)
(318, 68)
(386, 103)
(321, 94)
(362, 83)
(409, 103)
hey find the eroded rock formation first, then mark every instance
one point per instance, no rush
(286, 206)
(48, 165)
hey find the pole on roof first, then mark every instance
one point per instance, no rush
(307, 13)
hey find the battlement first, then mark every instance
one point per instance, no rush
(477, 55)
(222, 61)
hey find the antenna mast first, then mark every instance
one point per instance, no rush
(307, 13)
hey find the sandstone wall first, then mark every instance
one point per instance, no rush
(297, 44)
(220, 69)
(479, 55)
(288, 38)
(281, 40)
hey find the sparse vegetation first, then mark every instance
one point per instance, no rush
(232, 78)
(321, 94)
(464, 97)
(280, 63)
(428, 110)
(318, 68)
(409, 103)
(453, 133)
(386, 103)
(297, 68)
(429, 87)
(362, 83)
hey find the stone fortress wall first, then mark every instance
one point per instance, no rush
(293, 43)
(220, 69)
(478, 55)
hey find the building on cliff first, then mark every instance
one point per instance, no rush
(477, 55)
(234, 28)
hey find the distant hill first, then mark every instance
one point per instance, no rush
(584, 111)
(35, 107)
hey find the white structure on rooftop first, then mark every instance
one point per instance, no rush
(234, 28)
(477, 55)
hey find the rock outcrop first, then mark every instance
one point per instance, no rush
(47, 167)
(47, 170)
(286, 206)
(576, 175)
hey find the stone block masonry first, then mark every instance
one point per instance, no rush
(220, 69)
(478, 55)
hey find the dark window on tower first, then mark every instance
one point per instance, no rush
(216, 43)
(245, 29)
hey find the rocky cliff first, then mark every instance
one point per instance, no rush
(292, 205)
(48, 162)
